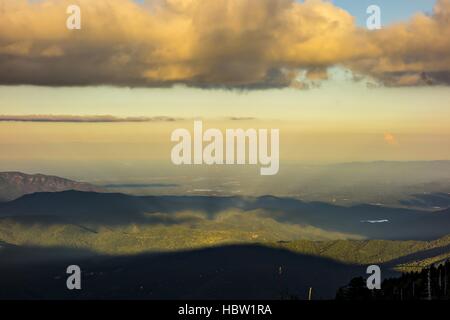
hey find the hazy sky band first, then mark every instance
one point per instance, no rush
(324, 113)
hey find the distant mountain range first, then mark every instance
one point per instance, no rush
(114, 209)
(438, 200)
(50, 199)
(16, 184)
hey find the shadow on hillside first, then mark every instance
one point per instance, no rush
(417, 256)
(229, 272)
(12, 256)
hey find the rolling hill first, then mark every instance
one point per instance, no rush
(114, 209)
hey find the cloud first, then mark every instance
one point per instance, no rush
(416, 52)
(241, 118)
(70, 118)
(389, 138)
(214, 44)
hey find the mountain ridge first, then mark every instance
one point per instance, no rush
(14, 184)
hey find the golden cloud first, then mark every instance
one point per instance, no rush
(389, 138)
(214, 44)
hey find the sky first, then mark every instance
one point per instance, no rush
(270, 103)
(337, 91)
(392, 11)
